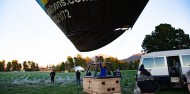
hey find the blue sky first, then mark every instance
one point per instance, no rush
(27, 33)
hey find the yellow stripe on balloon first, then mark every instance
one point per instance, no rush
(44, 2)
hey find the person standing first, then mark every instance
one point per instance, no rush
(108, 72)
(145, 81)
(78, 77)
(102, 70)
(118, 73)
(88, 73)
(52, 75)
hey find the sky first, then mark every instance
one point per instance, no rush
(28, 34)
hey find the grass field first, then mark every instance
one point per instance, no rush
(39, 83)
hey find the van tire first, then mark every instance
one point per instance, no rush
(157, 86)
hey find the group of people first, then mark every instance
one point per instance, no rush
(52, 75)
(145, 80)
(103, 73)
(106, 72)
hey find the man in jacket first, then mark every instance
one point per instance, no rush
(145, 81)
(78, 77)
(52, 75)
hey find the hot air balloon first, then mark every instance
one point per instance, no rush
(92, 24)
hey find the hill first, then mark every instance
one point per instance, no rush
(133, 57)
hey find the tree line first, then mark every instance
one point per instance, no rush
(71, 62)
(14, 65)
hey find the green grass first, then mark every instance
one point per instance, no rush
(66, 85)
(128, 81)
(40, 89)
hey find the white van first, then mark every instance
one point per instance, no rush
(167, 67)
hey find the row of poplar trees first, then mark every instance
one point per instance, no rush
(15, 66)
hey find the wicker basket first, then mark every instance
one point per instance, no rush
(102, 86)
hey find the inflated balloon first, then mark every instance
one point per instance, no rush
(92, 24)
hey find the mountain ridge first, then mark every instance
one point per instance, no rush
(133, 57)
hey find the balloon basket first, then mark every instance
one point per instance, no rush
(93, 85)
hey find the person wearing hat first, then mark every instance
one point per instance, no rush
(145, 81)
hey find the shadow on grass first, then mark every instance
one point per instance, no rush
(173, 91)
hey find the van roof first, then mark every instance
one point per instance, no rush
(167, 53)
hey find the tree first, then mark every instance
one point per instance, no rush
(76, 61)
(127, 65)
(136, 64)
(37, 67)
(2, 65)
(29, 63)
(70, 62)
(67, 66)
(62, 66)
(80, 61)
(131, 65)
(114, 62)
(32, 66)
(9, 66)
(15, 65)
(57, 67)
(87, 60)
(19, 66)
(166, 37)
(25, 66)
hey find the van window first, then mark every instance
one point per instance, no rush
(159, 62)
(148, 62)
(186, 60)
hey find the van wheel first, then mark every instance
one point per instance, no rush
(157, 86)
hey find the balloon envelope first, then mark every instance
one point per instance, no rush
(92, 24)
